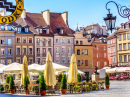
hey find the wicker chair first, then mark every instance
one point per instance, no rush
(21, 88)
(50, 90)
(57, 88)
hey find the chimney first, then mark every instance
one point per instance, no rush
(46, 16)
(65, 17)
(23, 14)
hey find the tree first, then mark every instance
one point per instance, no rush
(87, 78)
(64, 82)
(11, 83)
(107, 79)
(60, 77)
(42, 83)
(79, 77)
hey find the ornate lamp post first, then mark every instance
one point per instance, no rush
(110, 20)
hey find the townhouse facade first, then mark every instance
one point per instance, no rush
(84, 53)
(7, 44)
(112, 50)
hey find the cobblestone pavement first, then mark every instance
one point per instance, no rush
(117, 89)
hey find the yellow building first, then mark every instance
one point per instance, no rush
(123, 45)
(84, 53)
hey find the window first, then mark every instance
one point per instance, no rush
(57, 40)
(108, 50)
(49, 42)
(124, 46)
(18, 40)
(81, 42)
(97, 55)
(86, 52)
(124, 36)
(2, 41)
(86, 62)
(30, 40)
(108, 41)
(47, 31)
(63, 59)
(125, 58)
(9, 41)
(119, 37)
(69, 58)
(19, 29)
(113, 40)
(129, 58)
(69, 50)
(111, 50)
(105, 55)
(26, 29)
(18, 50)
(68, 40)
(2, 51)
(18, 60)
(9, 27)
(76, 42)
(30, 61)
(57, 49)
(98, 64)
(78, 62)
(24, 51)
(63, 50)
(129, 46)
(24, 40)
(44, 60)
(30, 51)
(57, 59)
(111, 60)
(40, 30)
(120, 58)
(114, 49)
(120, 47)
(2, 28)
(61, 31)
(44, 52)
(114, 59)
(9, 61)
(38, 40)
(38, 60)
(78, 52)
(105, 63)
(2, 61)
(44, 42)
(104, 47)
(49, 49)
(38, 51)
(97, 47)
(128, 35)
(9, 51)
(62, 40)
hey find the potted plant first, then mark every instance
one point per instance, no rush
(11, 85)
(79, 77)
(63, 84)
(87, 78)
(107, 81)
(60, 77)
(76, 88)
(26, 82)
(42, 86)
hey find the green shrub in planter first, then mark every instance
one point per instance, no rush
(63, 82)
(87, 78)
(7, 79)
(76, 88)
(79, 77)
(42, 83)
(60, 77)
(107, 79)
(11, 83)
(87, 88)
(26, 82)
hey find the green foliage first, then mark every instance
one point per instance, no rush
(87, 88)
(94, 87)
(26, 82)
(38, 79)
(106, 79)
(7, 79)
(76, 88)
(79, 77)
(64, 82)
(1, 88)
(99, 82)
(60, 77)
(11, 83)
(94, 82)
(87, 78)
(42, 83)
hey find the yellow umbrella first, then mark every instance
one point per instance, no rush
(49, 73)
(24, 69)
(73, 71)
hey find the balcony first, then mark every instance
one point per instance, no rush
(49, 44)
(38, 55)
(38, 44)
(43, 55)
(43, 44)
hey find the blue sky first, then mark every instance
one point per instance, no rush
(83, 12)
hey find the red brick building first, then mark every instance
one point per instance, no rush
(99, 52)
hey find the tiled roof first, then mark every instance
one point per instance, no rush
(90, 26)
(111, 35)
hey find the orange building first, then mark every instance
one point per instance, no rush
(99, 52)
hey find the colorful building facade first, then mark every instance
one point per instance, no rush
(112, 50)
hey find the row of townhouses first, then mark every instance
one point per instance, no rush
(35, 34)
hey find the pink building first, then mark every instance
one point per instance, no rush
(112, 50)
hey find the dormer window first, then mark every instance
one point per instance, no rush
(26, 29)
(39, 30)
(2, 28)
(47, 31)
(9, 27)
(61, 31)
(19, 29)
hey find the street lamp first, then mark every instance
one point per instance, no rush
(110, 20)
